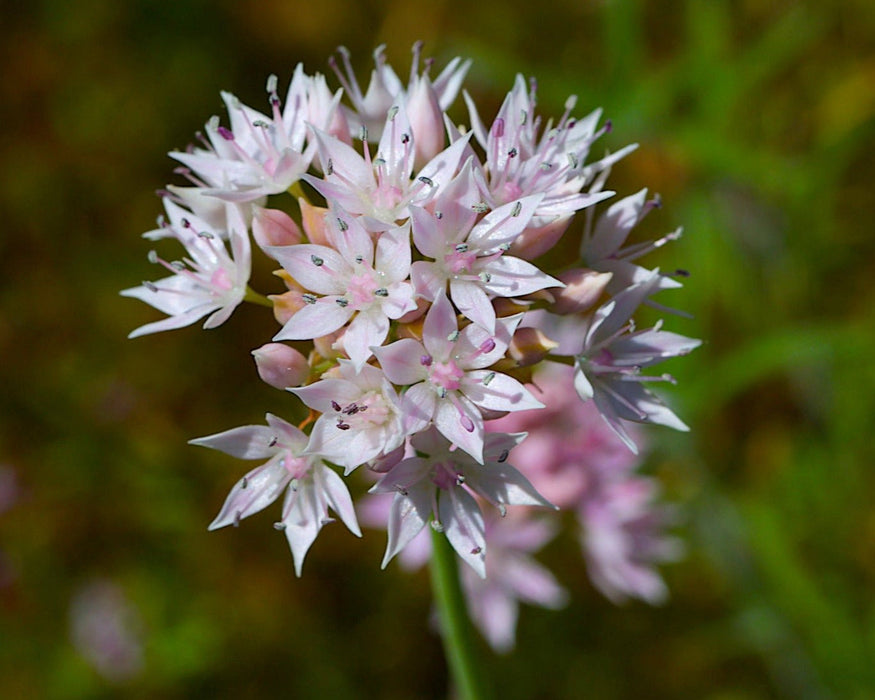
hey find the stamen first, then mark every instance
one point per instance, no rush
(316, 260)
(476, 550)
(341, 302)
(309, 298)
(342, 426)
(453, 337)
(488, 378)
(503, 457)
(517, 208)
(480, 207)
(244, 483)
(335, 405)
(150, 286)
(426, 360)
(342, 224)
(279, 526)
(273, 441)
(225, 133)
(382, 292)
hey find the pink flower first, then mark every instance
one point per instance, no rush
(427, 99)
(379, 190)
(623, 539)
(261, 155)
(512, 577)
(442, 483)
(361, 416)
(310, 486)
(608, 368)
(447, 376)
(359, 281)
(208, 281)
(470, 255)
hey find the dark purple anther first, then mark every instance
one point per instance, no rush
(426, 360)
(225, 133)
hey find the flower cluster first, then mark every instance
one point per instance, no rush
(415, 312)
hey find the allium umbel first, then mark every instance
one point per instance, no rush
(409, 245)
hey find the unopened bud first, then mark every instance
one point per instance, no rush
(288, 304)
(272, 227)
(313, 220)
(535, 240)
(529, 346)
(583, 288)
(281, 366)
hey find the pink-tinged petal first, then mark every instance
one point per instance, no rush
(533, 584)
(396, 145)
(512, 277)
(218, 317)
(403, 476)
(614, 226)
(501, 226)
(428, 279)
(439, 328)
(474, 340)
(499, 482)
(315, 267)
(393, 255)
(441, 169)
(650, 347)
(409, 514)
(582, 385)
(247, 442)
(338, 497)
(400, 300)
(401, 361)
(292, 436)
(473, 302)
(349, 238)
(456, 205)
(418, 406)
(427, 236)
(369, 328)
(303, 518)
(348, 448)
(315, 320)
(494, 612)
(454, 421)
(254, 492)
(463, 525)
(341, 163)
(342, 195)
(648, 406)
(172, 322)
(498, 392)
(320, 395)
(168, 295)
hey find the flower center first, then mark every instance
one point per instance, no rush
(360, 289)
(446, 376)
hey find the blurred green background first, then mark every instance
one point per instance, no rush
(756, 120)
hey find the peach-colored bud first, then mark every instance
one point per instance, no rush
(313, 220)
(286, 305)
(529, 346)
(281, 366)
(427, 121)
(537, 240)
(330, 346)
(582, 289)
(274, 227)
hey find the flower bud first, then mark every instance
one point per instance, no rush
(274, 227)
(426, 121)
(535, 240)
(280, 365)
(529, 346)
(582, 289)
(313, 220)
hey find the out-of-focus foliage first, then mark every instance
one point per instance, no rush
(757, 125)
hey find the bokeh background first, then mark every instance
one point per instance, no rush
(756, 120)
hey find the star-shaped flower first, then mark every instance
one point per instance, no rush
(206, 281)
(441, 482)
(447, 376)
(311, 486)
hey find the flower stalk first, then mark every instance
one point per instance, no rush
(456, 632)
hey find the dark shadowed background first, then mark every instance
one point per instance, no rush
(756, 120)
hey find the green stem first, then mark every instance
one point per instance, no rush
(254, 297)
(455, 626)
